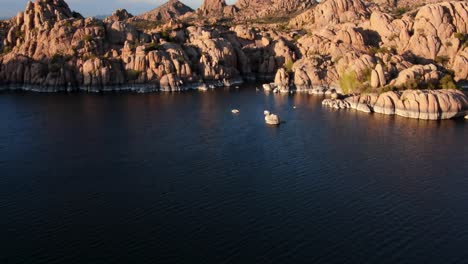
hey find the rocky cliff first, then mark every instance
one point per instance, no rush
(364, 47)
(351, 45)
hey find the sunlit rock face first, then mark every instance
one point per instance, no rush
(419, 104)
(170, 10)
(317, 47)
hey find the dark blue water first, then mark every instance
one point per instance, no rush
(176, 178)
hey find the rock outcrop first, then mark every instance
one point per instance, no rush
(435, 26)
(252, 9)
(331, 12)
(405, 3)
(53, 48)
(170, 10)
(343, 46)
(215, 9)
(119, 15)
(282, 80)
(417, 104)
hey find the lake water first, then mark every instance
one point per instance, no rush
(177, 178)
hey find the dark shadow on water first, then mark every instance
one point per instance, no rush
(177, 178)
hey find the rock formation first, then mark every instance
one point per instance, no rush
(170, 10)
(271, 8)
(53, 48)
(332, 12)
(422, 104)
(212, 7)
(405, 3)
(347, 46)
(119, 15)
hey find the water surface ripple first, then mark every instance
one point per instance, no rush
(176, 178)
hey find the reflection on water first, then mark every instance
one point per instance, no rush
(176, 177)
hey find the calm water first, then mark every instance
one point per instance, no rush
(176, 178)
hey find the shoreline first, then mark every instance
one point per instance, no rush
(136, 88)
(414, 104)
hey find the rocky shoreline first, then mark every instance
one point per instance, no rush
(416, 104)
(323, 48)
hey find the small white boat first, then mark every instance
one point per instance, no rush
(272, 119)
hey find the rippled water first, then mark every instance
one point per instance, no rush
(176, 178)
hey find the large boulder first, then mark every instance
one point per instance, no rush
(282, 80)
(460, 65)
(118, 15)
(418, 74)
(172, 9)
(418, 104)
(378, 77)
(435, 26)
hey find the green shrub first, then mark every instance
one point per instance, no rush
(87, 38)
(387, 89)
(432, 85)
(366, 75)
(94, 23)
(59, 58)
(282, 20)
(152, 46)
(383, 50)
(349, 82)
(133, 75)
(144, 25)
(181, 59)
(67, 24)
(288, 65)
(19, 34)
(365, 89)
(283, 27)
(462, 37)
(166, 36)
(447, 82)
(412, 84)
(399, 12)
(6, 49)
(442, 60)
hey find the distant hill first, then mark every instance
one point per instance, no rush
(171, 9)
